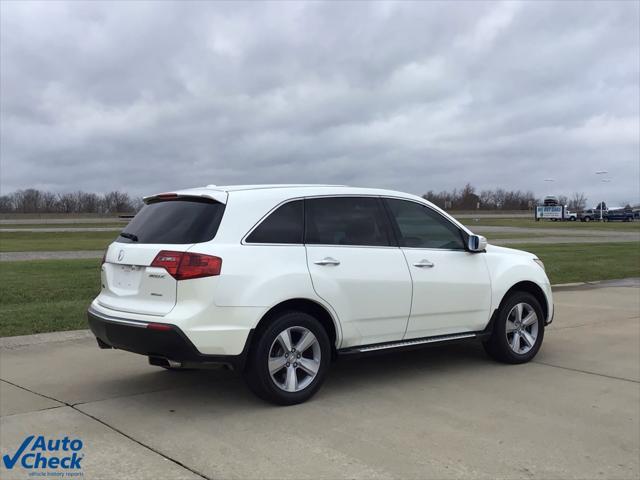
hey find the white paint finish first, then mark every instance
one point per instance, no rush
(508, 266)
(261, 275)
(454, 295)
(368, 295)
(130, 284)
(370, 289)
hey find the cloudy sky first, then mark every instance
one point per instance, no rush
(148, 97)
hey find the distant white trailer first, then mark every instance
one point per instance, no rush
(555, 212)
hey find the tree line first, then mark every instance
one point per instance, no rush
(467, 198)
(32, 200)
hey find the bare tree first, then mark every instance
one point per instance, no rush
(117, 202)
(67, 203)
(577, 202)
(28, 201)
(6, 204)
(563, 200)
(49, 202)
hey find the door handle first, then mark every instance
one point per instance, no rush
(327, 261)
(424, 263)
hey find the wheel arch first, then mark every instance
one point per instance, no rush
(532, 288)
(311, 307)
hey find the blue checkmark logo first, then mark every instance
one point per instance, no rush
(10, 462)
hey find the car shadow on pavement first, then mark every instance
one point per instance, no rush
(224, 389)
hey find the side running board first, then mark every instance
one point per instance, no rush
(406, 343)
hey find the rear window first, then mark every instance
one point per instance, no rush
(174, 221)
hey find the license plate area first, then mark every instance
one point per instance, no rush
(127, 277)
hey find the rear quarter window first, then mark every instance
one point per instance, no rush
(284, 225)
(176, 221)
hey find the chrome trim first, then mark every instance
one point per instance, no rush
(333, 245)
(109, 318)
(438, 211)
(174, 364)
(424, 264)
(445, 216)
(327, 261)
(293, 199)
(408, 343)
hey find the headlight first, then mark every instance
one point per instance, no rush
(539, 262)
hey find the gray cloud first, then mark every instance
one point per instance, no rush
(154, 96)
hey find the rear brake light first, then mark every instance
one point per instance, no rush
(186, 265)
(164, 196)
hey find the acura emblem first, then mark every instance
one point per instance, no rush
(120, 255)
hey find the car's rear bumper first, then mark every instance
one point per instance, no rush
(155, 340)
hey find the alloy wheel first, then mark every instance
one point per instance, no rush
(522, 328)
(294, 359)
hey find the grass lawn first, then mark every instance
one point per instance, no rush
(46, 296)
(509, 235)
(583, 262)
(54, 241)
(546, 224)
(63, 225)
(53, 295)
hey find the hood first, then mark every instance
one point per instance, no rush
(509, 251)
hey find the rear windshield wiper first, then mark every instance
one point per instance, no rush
(130, 236)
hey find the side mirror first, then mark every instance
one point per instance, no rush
(477, 243)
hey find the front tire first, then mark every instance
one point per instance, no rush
(518, 330)
(289, 360)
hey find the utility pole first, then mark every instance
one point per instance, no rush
(602, 172)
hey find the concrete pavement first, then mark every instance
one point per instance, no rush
(446, 412)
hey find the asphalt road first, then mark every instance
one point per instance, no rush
(446, 412)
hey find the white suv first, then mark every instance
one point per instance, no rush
(276, 281)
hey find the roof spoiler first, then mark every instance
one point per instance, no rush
(218, 196)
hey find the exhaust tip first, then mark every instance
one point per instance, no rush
(164, 362)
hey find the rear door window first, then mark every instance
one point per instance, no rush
(176, 221)
(283, 225)
(346, 221)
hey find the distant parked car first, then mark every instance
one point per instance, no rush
(590, 215)
(620, 215)
(551, 201)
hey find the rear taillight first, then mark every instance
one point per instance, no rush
(186, 265)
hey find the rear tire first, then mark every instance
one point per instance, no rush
(518, 330)
(288, 361)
